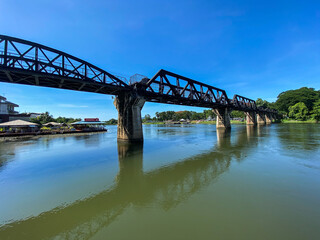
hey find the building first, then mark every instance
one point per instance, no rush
(8, 113)
(7, 109)
(53, 125)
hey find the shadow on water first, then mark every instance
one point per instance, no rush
(164, 187)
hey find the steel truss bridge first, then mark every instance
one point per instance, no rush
(29, 63)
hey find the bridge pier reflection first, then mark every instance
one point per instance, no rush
(130, 157)
(223, 137)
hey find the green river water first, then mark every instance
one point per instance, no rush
(183, 182)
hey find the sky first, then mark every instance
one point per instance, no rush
(251, 48)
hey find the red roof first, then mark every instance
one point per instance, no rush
(91, 119)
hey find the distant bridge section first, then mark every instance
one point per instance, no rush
(171, 88)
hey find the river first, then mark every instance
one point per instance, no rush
(183, 182)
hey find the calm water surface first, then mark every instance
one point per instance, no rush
(191, 182)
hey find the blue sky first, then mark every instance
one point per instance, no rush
(250, 48)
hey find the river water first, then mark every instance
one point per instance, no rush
(184, 182)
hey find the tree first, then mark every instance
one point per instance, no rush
(147, 118)
(43, 118)
(289, 98)
(299, 111)
(67, 120)
(262, 103)
(237, 114)
(208, 114)
(315, 113)
(112, 121)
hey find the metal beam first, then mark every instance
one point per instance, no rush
(8, 76)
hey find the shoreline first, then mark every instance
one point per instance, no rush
(235, 122)
(34, 136)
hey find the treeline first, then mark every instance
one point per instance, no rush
(188, 115)
(46, 117)
(300, 104)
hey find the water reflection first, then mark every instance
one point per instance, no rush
(300, 136)
(165, 188)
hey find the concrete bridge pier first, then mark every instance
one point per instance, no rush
(251, 118)
(129, 107)
(261, 118)
(268, 117)
(223, 117)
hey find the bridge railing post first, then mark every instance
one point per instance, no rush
(129, 108)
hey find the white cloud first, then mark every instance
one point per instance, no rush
(72, 106)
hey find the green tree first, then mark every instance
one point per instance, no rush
(262, 103)
(299, 111)
(112, 121)
(315, 113)
(208, 113)
(289, 98)
(146, 118)
(43, 118)
(237, 114)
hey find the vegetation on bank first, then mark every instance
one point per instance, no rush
(302, 104)
(112, 121)
(298, 121)
(46, 118)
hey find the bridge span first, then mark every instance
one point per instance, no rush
(29, 63)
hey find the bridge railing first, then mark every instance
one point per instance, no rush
(170, 88)
(28, 56)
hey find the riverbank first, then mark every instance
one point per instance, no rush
(17, 137)
(194, 122)
(297, 121)
(235, 122)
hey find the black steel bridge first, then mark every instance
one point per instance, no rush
(29, 63)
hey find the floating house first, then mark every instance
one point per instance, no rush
(19, 126)
(89, 124)
(53, 125)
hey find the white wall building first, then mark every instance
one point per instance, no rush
(6, 109)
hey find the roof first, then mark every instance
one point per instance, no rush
(11, 103)
(18, 123)
(52, 123)
(87, 123)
